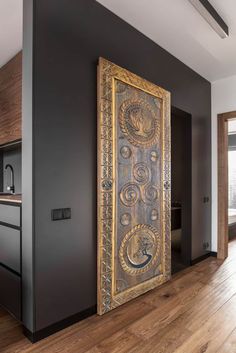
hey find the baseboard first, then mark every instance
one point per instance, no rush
(213, 253)
(203, 257)
(49, 330)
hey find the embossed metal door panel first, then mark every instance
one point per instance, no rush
(133, 186)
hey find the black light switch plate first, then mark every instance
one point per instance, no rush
(66, 212)
(60, 214)
(57, 214)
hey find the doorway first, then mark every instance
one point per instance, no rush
(226, 181)
(181, 189)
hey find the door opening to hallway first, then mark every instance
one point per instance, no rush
(226, 181)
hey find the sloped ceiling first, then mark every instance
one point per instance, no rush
(173, 24)
(177, 27)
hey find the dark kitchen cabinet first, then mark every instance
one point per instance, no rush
(10, 257)
(10, 292)
(10, 247)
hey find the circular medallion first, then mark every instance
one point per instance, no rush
(154, 215)
(125, 219)
(139, 123)
(150, 194)
(141, 173)
(107, 184)
(153, 156)
(129, 194)
(139, 249)
(125, 152)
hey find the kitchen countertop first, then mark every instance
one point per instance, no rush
(17, 198)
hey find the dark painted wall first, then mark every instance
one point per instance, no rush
(181, 176)
(28, 184)
(180, 142)
(68, 38)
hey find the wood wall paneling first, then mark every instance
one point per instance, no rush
(10, 100)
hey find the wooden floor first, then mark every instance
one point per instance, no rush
(195, 312)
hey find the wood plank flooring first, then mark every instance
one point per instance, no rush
(194, 313)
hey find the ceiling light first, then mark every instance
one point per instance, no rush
(208, 12)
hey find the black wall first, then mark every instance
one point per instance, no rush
(68, 38)
(181, 176)
(180, 160)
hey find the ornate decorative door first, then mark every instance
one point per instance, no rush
(133, 186)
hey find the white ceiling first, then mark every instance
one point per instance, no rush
(177, 27)
(10, 29)
(173, 24)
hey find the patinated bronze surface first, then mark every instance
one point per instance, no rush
(133, 186)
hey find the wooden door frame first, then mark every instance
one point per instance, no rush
(223, 239)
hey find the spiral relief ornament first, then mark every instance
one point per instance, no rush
(141, 173)
(150, 194)
(130, 194)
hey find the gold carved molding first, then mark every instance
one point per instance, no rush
(140, 134)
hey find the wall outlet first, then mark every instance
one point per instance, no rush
(206, 245)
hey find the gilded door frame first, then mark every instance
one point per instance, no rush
(106, 212)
